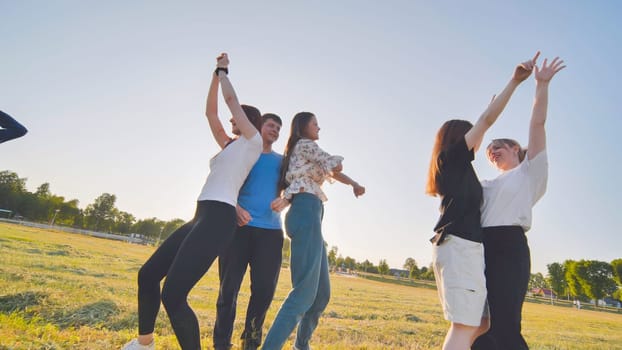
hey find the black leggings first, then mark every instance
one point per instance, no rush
(508, 266)
(183, 258)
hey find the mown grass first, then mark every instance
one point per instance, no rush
(67, 291)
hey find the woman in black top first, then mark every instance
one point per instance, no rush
(458, 256)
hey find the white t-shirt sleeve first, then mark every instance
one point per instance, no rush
(537, 170)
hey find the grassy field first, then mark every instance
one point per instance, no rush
(67, 291)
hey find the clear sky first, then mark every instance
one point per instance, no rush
(113, 94)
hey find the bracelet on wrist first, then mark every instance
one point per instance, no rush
(218, 69)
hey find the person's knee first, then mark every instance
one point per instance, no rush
(324, 299)
(263, 288)
(227, 298)
(171, 299)
(145, 276)
(323, 296)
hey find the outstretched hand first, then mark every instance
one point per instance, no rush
(546, 73)
(222, 61)
(358, 190)
(523, 70)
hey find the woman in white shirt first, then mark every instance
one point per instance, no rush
(506, 216)
(305, 167)
(188, 253)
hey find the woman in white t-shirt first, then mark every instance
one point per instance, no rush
(188, 253)
(506, 216)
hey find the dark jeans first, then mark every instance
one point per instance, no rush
(183, 258)
(260, 249)
(508, 267)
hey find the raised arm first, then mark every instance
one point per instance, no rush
(211, 112)
(474, 136)
(357, 189)
(11, 128)
(246, 127)
(537, 134)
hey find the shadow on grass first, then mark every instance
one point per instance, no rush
(20, 301)
(96, 315)
(74, 270)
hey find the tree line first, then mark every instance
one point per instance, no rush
(102, 215)
(582, 280)
(411, 270)
(577, 280)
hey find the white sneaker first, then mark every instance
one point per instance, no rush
(135, 345)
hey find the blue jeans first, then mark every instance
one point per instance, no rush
(309, 272)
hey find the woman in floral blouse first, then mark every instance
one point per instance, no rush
(305, 167)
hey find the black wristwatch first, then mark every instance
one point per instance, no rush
(218, 69)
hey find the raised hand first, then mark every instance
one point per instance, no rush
(358, 190)
(546, 73)
(222, 61)
(523, 70)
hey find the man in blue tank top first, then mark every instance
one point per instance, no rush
(257, 243)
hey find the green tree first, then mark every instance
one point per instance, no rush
(349, 263)
(574, 286)
(332, 256)
(149, 227)
(340, 262)
(101, 214)
(123, 222)
(557, 278)
(595, 278)
(383, 267)
(427, 273)
(536, 280)
(616, 265)
(12, 190)
(170, 227)
(69, 214)
(43, 191)
(366, 266)
(411, 265)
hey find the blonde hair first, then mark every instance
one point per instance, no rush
(522, 152)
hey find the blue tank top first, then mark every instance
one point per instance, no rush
(259, 190)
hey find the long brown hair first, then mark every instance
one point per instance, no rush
(299, 125)
(450, 133)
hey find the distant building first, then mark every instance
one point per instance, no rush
(544, 292)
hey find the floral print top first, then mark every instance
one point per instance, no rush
(308, 167)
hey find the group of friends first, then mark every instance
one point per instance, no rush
(481, 258)
(237, 220)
